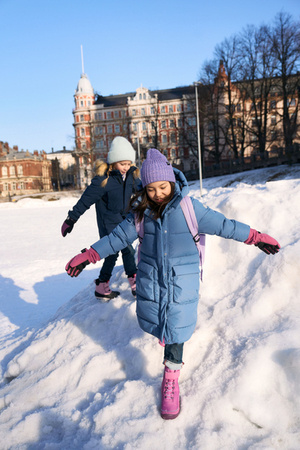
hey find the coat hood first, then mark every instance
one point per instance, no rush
(181, 186)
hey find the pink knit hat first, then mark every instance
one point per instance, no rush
(156, 167)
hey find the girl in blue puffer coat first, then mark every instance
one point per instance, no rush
(110, 190)
(167, 285)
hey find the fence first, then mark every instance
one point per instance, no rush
(258, 161)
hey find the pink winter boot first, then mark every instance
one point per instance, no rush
(132, 282)
(170, 401)
(102, 290)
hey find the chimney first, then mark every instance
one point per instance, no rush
(15, 148)
(6, 146)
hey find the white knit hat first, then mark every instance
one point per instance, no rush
(120, 150)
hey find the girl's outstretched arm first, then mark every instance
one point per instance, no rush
(124, 234)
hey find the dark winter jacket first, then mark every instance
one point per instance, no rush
(168, 271)
(111, 201)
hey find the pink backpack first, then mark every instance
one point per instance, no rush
(190, 217)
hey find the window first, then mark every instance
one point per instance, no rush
(20, 170)
(134, 126)
(274, 135)
(98, 116)
(272, 104)
(116, 114)
(179, 109)
(81, 117)
(97, 130)
(97, 144)
(171, 109)
(173, 137)
(12, 171)
(166, 153)
(5, 186)
(125, 127)
(164, 139)
(163, 109)
(82, 132)
(143, 112)
(4, 171)
(144, 96)
(117, 128)
(191, 121)
(108, 115)
(134, 112)
(273, 119)
(173, 153)
(172, 123)
(89, 103)
(180, 123)
(140, 96)
(292, 102)
(109, 129)
(144, 126)
(81, 103)
(163, 124)
(152, 110)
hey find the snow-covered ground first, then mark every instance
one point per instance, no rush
(80, 374)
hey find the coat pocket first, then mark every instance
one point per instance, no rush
(185, 283)
(147, 282)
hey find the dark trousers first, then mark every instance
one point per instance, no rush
(128, 262)
(173, 353)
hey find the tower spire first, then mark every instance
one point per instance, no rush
(82, 65)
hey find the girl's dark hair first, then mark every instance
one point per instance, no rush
(140, 202)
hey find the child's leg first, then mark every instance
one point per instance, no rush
(129, 260)
(107, 268)
(173, 356)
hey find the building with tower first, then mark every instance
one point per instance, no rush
(236, 125)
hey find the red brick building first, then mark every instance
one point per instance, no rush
(22, 172)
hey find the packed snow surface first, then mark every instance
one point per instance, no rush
(80, 374)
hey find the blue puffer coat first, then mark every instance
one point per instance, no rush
(111, 201)
(168, 271)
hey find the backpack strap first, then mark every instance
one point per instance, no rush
(139, 226)
(191, 220)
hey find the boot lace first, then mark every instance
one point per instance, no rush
(169, 389)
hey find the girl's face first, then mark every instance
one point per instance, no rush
(158, 191)
(122, 166)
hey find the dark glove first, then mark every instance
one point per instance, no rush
(67, 226)
(76, 265)
(263, 241)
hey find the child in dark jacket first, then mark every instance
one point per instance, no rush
(110, 190)
(168, 271)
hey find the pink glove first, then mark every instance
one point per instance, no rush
(76, 265)
(67, 226)
(263, 241)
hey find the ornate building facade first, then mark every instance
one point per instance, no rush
(236, 122)
(22, 172)
(165, 119)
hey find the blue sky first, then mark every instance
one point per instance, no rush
(126, 43)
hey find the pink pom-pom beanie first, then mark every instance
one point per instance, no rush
(156, 167)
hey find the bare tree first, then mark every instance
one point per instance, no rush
(256, 70)
(285, 41)
(228, 53)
